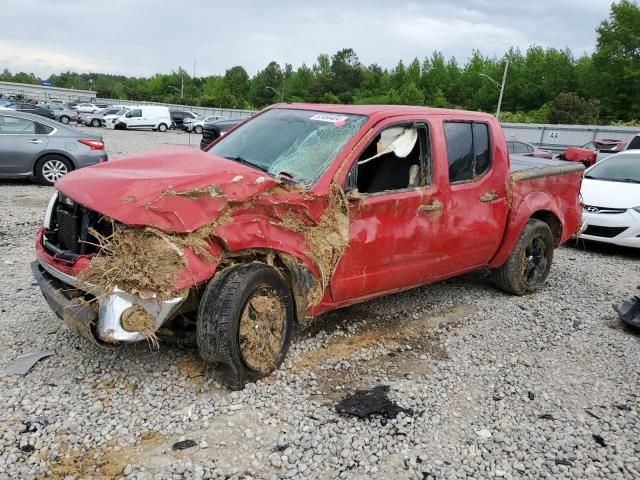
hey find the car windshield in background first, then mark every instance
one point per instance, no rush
(619, 168)
(295, 143)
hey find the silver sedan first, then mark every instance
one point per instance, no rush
(32, 146)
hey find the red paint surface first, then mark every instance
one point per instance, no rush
(577, 154)
(392, 244)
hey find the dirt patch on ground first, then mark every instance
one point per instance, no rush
(108, 463)
(105, 464)
(192, 368)
(411, 343)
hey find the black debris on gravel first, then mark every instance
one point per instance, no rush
(184, 444)
(599, 440)
(368, 403)
(546, 416)
(629, 311)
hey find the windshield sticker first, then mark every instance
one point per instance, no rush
(337, 120)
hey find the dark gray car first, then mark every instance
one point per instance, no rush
(36, 147)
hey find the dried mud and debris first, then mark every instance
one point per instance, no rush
(261, 330)
(86, 413)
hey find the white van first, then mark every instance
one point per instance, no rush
(145, 116)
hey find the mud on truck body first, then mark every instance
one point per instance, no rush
(300, 210)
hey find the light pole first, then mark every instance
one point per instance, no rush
(177, 90)
(276, 91)
(500, 86)
(130, 90)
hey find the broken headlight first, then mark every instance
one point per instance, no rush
(62, 198)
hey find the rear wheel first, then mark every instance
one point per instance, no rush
(245, 322)
(51, 168)
(162, 127)
(527, 268)
(64, 119)
(95, 122)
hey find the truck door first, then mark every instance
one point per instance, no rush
(396, 220)
(477, 205)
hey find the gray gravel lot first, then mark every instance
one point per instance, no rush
(545, 386)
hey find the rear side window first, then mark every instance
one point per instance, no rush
(16, 126)
(468, 150)
(44, 129)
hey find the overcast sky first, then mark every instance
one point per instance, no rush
(143, 37)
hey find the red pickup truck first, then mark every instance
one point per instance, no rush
(299, 210)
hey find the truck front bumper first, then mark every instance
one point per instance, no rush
(100, 320)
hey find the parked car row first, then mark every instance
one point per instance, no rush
(213, 130)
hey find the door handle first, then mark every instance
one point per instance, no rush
(434, 206)
(35, 141)
(489, 196)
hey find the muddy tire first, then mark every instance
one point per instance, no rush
(527, 268)
(245, 322)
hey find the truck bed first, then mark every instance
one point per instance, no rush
(527, 168)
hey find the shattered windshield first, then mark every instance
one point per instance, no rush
(298, 144)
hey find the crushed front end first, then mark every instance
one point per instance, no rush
(65, 246)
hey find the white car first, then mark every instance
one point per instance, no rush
(107, 120)
(611, 197)
(196, 124)
(86, 108)
(144, 116)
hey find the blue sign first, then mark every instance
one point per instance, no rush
(46, 83)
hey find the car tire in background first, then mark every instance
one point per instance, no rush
(51, 168)
(162, 127)
(64, 119)
(527, 268)
(198, 129)
(95, 122)
(245, 323)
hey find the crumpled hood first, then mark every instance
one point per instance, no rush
(175, 190)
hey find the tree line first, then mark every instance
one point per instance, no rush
(544, 85)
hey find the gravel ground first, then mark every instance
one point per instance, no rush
(494, 385)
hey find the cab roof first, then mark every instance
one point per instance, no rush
(378, 110)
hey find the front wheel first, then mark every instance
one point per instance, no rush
(95, 122)
(198, 129)
(64, 119)
(527, 268)
(162, 127)
(245, 322)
